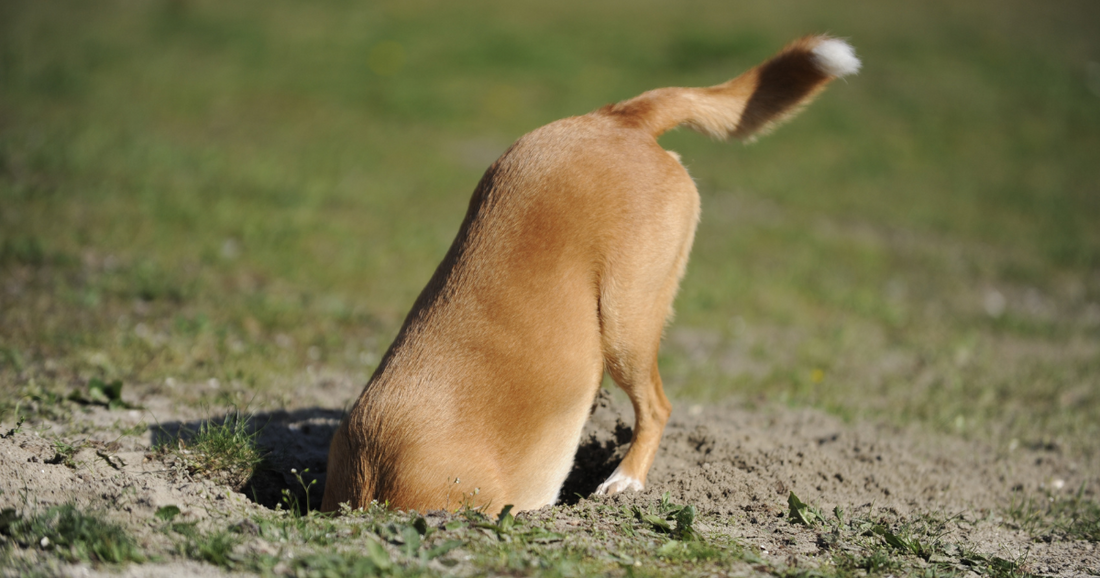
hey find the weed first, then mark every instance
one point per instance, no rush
(290, 499)
(72, 534)
(671, 519)
(804, 514)
(18, 428)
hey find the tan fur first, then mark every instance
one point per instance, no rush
(565, 266)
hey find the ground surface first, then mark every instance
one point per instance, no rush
(736, 466)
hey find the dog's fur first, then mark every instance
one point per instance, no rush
(565, 266)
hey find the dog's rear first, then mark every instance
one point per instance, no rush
(565, 266)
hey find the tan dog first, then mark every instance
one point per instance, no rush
(565, 266)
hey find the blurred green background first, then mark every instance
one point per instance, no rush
(256, 191)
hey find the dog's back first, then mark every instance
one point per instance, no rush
(566, 264)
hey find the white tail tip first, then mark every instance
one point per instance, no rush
(836, 57)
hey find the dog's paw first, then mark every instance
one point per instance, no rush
(617, 483)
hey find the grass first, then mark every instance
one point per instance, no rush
(586, 539)
(71, 534)
(252, 193)
(225, 450)
(922, 235)
(65, 453)
(408, 544)
(649, 540)
(212, 547)
(1050, 515)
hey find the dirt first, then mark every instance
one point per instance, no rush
(734, 464)
(742, 465)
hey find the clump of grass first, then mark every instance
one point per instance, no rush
(375, 563)
(226, 451)
(879, 560)
(213, 547)
(1048, 515)
(73, 535)
(33, 402)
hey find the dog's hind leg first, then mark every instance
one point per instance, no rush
(651, 411)
(635, 300)
(632, 342)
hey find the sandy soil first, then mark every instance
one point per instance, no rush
(743, 465)
(734, 464)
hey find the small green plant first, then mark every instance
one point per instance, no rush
(801, 513)
(226, 450)
(507, 527)
(65, 452)
(106, 394)
(73, 535)
(291, 498)
(11, 432)
(907, 544)
(667, 515)
(167, 513)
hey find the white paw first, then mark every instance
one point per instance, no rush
(617, 483)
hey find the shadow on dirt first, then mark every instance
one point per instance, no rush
(291, 440)
(295, 444)
(596, 459)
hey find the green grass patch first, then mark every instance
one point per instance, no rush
(71, 534)
(1049, 515)
(651, 539)
(224, 450)
(379, 540)
(214, 547)
(917, 246)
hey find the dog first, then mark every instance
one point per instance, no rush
(565, 266)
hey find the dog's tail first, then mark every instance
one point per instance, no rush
(750, 104)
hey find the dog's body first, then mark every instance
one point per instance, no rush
(565, 266)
